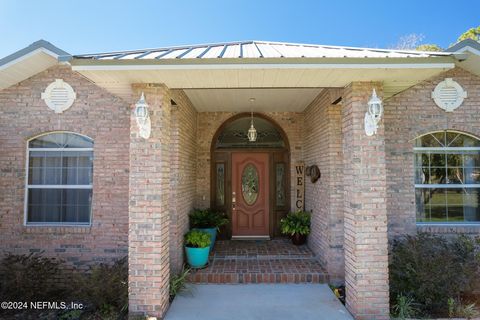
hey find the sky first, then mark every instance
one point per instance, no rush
(104, 25)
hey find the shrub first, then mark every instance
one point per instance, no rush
(32, 277)
(431, 269)
(207, 218)
(197, 239)
(178, 283)
(105, 287)
(298, 222)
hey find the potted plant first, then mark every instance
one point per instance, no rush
(297, 226)
(197, 248)
(209, 221)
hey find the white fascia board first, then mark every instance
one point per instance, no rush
(28, 55)
(469, 49)
(262, 66)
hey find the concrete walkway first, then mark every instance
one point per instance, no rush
(257, 301)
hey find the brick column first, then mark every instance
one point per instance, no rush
(148, 236)
(365, 214)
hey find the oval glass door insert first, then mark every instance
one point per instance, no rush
(250, 184)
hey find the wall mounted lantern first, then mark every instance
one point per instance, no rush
(252, 132)
(373, 114)
(143, 118)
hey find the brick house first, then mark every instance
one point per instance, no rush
(83, 179)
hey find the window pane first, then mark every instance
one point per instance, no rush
(437, 159)
(280, 184)
(455, 160)
(472, 160)
(437, 175)
(471, 210)
(455, 175)
(472, 175)
(59, 205)
(423, 210)
(220, 192)
(455, 204)
(61, 140)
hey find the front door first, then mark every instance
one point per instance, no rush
(250, 195)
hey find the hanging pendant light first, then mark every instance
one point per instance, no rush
(252, 132)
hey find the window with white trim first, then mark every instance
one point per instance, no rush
(447, 178)
(59, 179)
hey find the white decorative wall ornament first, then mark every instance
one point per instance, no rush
(373, 115)
(59, 96)
(449, 95)
(143, 118)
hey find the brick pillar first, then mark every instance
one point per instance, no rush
(365, 213)
(148, 235)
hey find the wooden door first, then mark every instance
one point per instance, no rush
(250, 194)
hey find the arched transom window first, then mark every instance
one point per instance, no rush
(59, 179)
(447, 178)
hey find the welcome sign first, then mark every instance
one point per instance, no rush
(299, 186)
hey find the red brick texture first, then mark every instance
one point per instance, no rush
(407, 116)
(322, 138)
(95, 113)
(365, 212)
(149, 207)
(183, 161)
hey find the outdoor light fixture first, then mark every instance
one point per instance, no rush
(373, 115)
(143, 117)
(252, 132)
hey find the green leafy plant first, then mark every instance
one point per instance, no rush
(433, 269)
(458, 309)
(207, 218)
(105, 288)
(197, 239)
(404, 308)
(296, 222)
(178, 282)
(32, 277)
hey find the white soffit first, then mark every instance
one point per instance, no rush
(27, 62)
(266, 100)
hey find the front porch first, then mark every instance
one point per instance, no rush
(260, 261)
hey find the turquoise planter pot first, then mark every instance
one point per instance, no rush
(212, 232)
(197, 257)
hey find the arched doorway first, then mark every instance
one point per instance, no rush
(250, 180)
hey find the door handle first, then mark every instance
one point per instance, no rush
(234, 200)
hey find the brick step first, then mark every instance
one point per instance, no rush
(235, 271)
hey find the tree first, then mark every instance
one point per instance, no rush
(428, 47)
(409, 41)
(472, 33)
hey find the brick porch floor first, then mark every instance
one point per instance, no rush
(263, 261)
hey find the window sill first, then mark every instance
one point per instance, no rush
(57, 229)
(449, 228)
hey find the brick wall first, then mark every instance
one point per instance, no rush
(209, 122)
(95, 113)
(183, 172)
(323, 147)
(149, 206)
(407, 116)
(365, 211)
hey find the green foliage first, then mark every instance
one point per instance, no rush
(31, 277)
(197, 239)
(105, 288)
(296, 222)
(207, 218)
(460, 310)
(472, 33)
(429, 47)
(178, 283)
(431, 269)
(404, 308)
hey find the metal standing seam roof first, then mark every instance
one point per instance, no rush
(258, 49)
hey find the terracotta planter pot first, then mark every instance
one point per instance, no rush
(299, 239)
